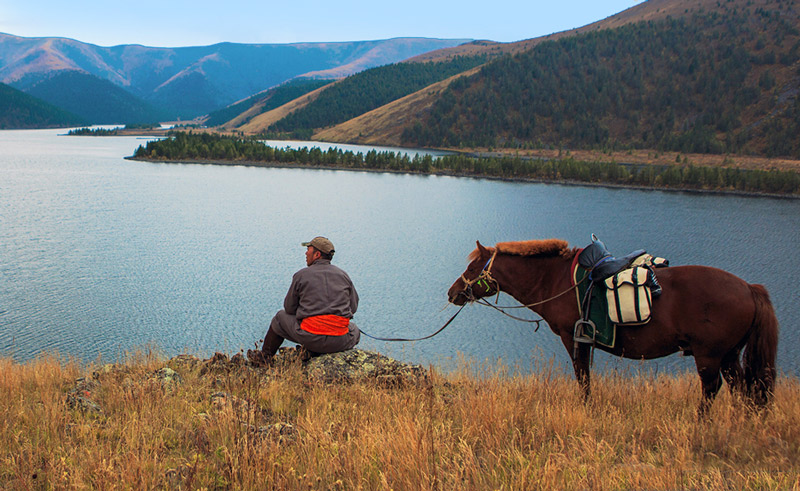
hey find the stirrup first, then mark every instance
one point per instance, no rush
(578, 338)
(579, 334)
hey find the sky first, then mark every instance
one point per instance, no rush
(172, 23)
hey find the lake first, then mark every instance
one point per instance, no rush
(100, 256)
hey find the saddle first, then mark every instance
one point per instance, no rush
(620, 291)
(596, 259)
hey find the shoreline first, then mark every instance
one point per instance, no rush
(563, 182)
(637, 157)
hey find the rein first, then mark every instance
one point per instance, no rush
(486, 277)
(417, 339)
(482, 301)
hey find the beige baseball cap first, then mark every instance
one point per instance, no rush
(322, 244)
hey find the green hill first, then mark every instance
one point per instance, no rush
(270, 99)
(370, 89)
(94, 99)
(19, 110)
(724, 80)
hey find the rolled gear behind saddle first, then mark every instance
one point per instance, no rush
(651, 263)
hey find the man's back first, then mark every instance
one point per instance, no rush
(320, 289)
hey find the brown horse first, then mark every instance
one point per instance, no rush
(703, 311)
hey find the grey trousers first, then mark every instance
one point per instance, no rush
(287, 327)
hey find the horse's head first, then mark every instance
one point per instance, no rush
(477, 281)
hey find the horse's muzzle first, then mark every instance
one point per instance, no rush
(457, 297)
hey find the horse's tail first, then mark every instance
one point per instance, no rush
(762, 348)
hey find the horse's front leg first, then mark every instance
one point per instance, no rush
(580, 355)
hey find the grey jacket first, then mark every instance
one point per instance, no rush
(321, 288)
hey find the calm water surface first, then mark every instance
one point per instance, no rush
(100, 256)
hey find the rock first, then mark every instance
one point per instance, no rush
(282, 432)
(185, 363)
(217, 363)
(238, 359)
(168, 378)
(81, 403)
(223, 402)
(358, 365)
(79, 396)
(346, 366)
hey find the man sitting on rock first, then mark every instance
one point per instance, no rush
(317, 311)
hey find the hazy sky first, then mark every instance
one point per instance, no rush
(201, 22)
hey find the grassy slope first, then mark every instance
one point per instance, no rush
(261, 122)
(384, 125)
(460, 431)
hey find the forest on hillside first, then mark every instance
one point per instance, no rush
(275, 97)
(711, 82)
(19, 110)
(365, 91)
(95, 100)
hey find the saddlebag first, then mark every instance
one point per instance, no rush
(629, 298)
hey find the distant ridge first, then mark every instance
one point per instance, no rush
(191, 81)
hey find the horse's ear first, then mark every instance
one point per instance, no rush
(480, 248)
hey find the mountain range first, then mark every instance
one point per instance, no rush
(131, 83)
(690, 76)
(687, 76)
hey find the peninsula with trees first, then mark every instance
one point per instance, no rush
(208, 148)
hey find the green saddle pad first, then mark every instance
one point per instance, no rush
(598, 312)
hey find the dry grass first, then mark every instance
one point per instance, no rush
(467, 430)
(257, 123)
(384, 125)
(649, 157)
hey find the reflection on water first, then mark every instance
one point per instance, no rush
(99, 255)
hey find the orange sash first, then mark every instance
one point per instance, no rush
(326, 325)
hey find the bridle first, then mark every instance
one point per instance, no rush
(486, 280)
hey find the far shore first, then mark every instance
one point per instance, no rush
(564, 182)
(632, 156)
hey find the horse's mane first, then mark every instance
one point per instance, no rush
(546, 247)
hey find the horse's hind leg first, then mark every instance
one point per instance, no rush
(733, 373)
(709, 370)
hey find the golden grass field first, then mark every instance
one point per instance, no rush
(476, 428)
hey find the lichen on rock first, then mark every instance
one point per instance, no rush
(345, 366)
(359, 365)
